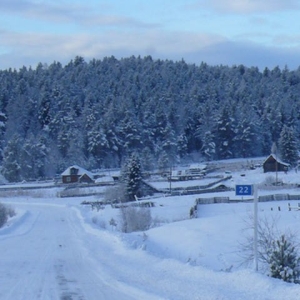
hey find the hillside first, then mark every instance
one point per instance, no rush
(96, 114)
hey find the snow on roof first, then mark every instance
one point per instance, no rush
(277, 159)
(81, 171)
(197, 166)
(104, 179)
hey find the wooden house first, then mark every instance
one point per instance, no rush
(76, 174)
(274, 164)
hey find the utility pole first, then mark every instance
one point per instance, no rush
(249, 190)
(274, 152)
(255, 228)
(170, 179)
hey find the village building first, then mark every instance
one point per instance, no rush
(274, 164)
(76, 174)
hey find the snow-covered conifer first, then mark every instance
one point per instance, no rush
(131, 178)
(284, 261)
(288, 145)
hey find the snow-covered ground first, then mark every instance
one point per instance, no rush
(56, 248)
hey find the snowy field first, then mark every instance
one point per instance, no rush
(56, 248)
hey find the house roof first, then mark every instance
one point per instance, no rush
(277, 159)
(81, 171)
(198, 166)
(104, 179)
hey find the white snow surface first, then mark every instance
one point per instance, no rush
(56, 248)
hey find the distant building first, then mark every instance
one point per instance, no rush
(194, 171)
(76, 174)
(273, 164)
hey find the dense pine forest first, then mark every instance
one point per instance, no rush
(96, 114)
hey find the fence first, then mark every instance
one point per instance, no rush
(265, 198)
(212, 200)
(200, 189)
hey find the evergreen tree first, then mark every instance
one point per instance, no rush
(274, 117)
(11, 168)
(205, 131)
(42, 166)
(131, 178)
(129, 132)
(225, 132)
(284, 261)
(147, 159)
(288, 145)
(209, 147)
(2, 132)
(104, 110)
(43, 109)
(245, 139)
(164, 163)
(97, 143)
(169, 143)
(182, 145)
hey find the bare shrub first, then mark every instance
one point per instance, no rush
(95, 220)
(99, 222)
(114, 194)
(135, 219)
(15, 193)
(10, 211)
(19, 192)
(156, 222)
(102, 224)
(70, 192)
(5, 213)
(267, 233)
(113, 223)
(271, 181)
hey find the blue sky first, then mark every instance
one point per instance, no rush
(228, 32)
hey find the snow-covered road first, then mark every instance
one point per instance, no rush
(48, 256)
(51, 253)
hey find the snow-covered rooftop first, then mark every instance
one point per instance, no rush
(81, 171)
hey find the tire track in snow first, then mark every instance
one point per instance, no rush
(50, 259)
(21, 227)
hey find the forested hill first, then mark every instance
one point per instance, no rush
(95, 114)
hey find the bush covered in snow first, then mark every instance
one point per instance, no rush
(271, 181)
(114, 194)
(277, 252)
(284, 261)
(5, 213)
(135, 219)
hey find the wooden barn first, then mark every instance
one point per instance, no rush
(76, 174)
(273, 164)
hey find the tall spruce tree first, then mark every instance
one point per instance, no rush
(11, 168)
(131, 178)
(288, 145)
(225, 132)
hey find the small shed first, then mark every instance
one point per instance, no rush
(273, 164)
(75, 174)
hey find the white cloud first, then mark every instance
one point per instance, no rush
(283, 40)
(249, 6)
(105, 43)
(62, 12)
(249, 54)
(31, 48)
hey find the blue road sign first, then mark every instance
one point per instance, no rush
(244, 190)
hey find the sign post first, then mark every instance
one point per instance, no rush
(249, 190)
(255, 228)
(244, 190)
